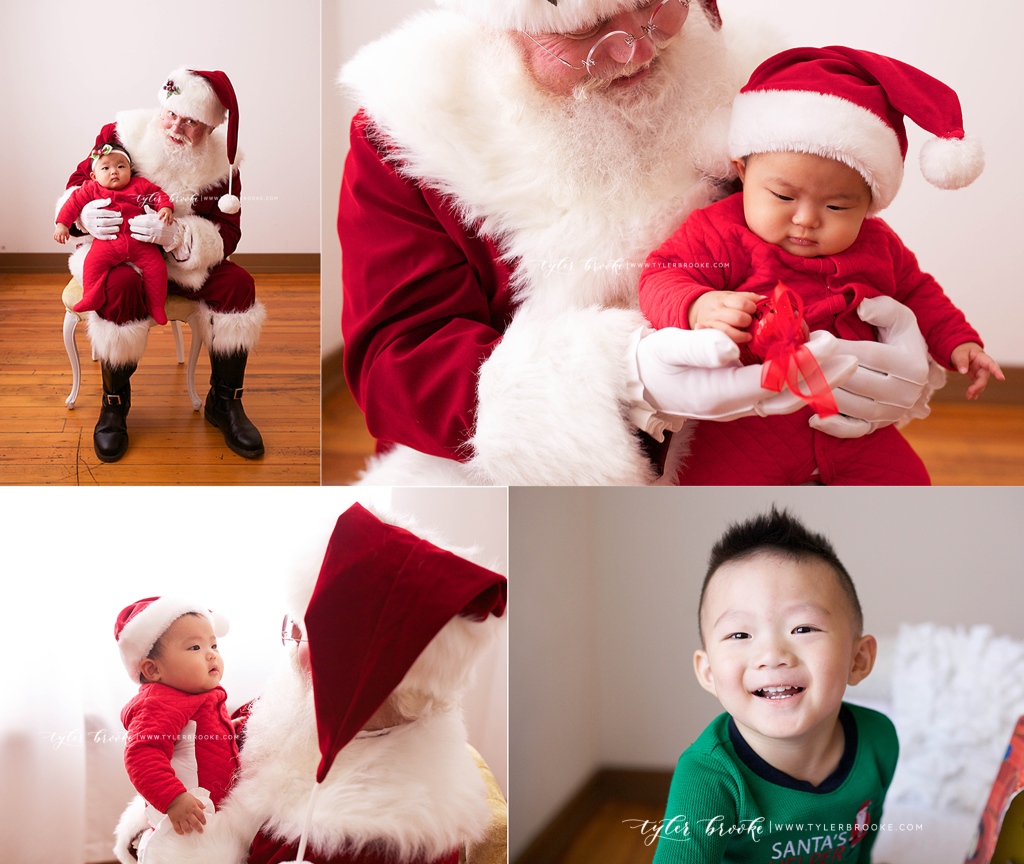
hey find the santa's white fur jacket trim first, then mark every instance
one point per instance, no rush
(578, 255)
(799, 121)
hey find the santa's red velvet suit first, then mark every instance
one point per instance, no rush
(129, 201)
(715, 251)
(196, 269)
(490, 306)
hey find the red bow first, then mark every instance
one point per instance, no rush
(779, 333)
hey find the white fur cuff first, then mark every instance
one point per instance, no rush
(118, 344)
(199, 250)
(229, 332)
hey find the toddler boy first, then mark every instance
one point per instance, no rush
(180, 751)
(818, 140)
(790, 772)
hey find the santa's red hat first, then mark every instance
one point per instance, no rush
(849, 105)
(551, 16)
(206, 96)
(383, 598)
(140, 625)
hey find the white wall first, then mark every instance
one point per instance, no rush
(952, 556)
(68, 71)
(964, 238)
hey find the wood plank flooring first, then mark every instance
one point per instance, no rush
(962, 444)
(43, 442)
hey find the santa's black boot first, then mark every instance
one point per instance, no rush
(110, 438)
(224, 405)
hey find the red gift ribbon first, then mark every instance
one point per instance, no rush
(779, 338)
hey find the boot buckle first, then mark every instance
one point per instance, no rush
(238, 393)
(112, 398)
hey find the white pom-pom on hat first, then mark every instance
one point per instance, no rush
(229, 204)
(952, 163)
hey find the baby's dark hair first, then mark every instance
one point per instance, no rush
(781, 534)
(157, 649)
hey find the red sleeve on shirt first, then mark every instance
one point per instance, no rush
(693, 261)
(153, 726)
(425, 303)
(942, 324)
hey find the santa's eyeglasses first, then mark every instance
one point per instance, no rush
(613, 51)
(291, 631)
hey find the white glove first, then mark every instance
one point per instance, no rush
(103, 224)
(150, 228)
(670, 361)
(891, 377)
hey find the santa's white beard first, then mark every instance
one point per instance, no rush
(618, 141)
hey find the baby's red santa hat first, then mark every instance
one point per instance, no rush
(849, 105)
(206, 96)
(391, 612)
(552, 16)
(140, 625)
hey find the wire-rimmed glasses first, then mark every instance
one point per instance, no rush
(613, 51)
(291, 631)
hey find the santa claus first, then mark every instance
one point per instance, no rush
(357, 752)
(183, 148)
(513, 164)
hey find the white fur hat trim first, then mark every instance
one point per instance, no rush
(190, 95)
(143, 629)
(767, 121)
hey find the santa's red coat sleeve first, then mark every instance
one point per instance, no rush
(425, 303)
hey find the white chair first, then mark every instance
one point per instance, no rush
(178, 309)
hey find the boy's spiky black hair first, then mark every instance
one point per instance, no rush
(777, 533)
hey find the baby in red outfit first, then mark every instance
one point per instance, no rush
(112, 179)
(817, 138)
(180, 752)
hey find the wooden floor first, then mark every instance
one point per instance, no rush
(43, 442)
(613, 835)
(962, 444)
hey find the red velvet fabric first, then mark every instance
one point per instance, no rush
(381, 596)
(268, 850)
(425, 302)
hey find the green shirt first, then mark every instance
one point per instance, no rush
(727, 804)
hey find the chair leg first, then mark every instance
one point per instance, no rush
(71, 346)
(179, 344)
(190, 372)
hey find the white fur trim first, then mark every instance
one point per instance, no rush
(118, 344)
(404, 466)
(196, 98)
(229, 332)
(416, 789)
(552, 402)
(132, 822)
(952, 163)
(765, 121)
(229, 203)
(200, 250)
(143, 630)
(537, 16)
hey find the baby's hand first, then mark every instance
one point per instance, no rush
(186, 813)
(62, 233)
(971, 361)
(728, 311)
(166, 215)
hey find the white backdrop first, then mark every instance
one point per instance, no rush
(964, 238)
(69, 67)
(607, 589)
(72, 559)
